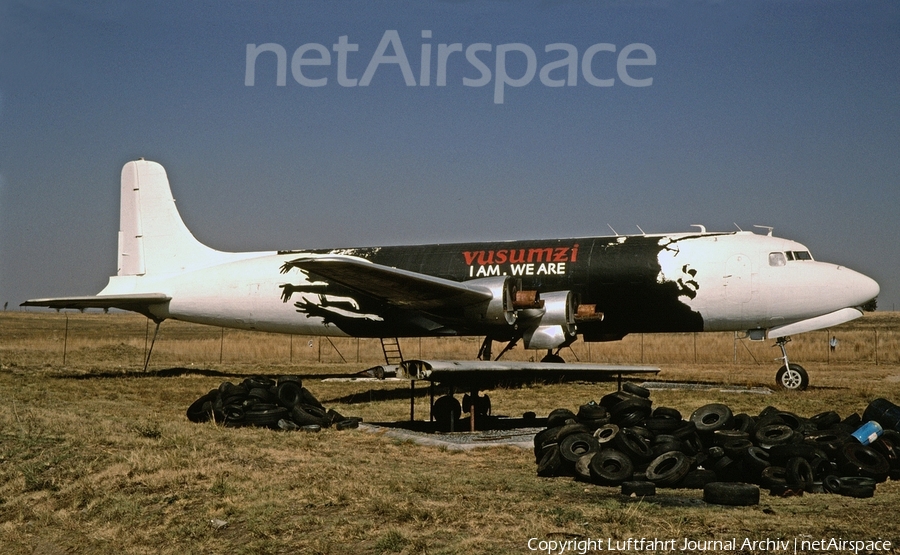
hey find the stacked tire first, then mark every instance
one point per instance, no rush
(624, 441)
(281, 403)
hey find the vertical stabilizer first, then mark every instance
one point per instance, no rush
(152, 236)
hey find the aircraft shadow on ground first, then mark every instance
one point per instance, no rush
(161, 373)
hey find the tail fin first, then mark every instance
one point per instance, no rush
(152, 236)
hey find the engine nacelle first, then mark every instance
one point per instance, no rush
(554, 324)
(545, 337)
(500, 309)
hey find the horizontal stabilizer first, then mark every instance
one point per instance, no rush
(819, 322)
(140, 302)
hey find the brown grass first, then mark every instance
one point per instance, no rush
(96, 456)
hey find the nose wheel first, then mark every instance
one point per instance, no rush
(790, 375)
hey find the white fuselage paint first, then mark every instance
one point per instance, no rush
(738, 288)
(244, 293)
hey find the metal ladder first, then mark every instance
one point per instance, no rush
(391, 348)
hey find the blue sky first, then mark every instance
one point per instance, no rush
(778, 113)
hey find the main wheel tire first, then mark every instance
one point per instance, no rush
(773, 434)
(611, 468)
(553, 358)
(712, 417)
(545, 436)
(446, 409)
(636, 389)
(858, 491)
(289, 393)
(860, 460)
(550, 463)
(697, 479)
(799, 473)
(667, 412)
(606, 433)
(731, 493)
(265, 418)
(558, 417)
(304, 415)
(630, 442)
(591, 411)
(826, 420)
(201, 410)
(756, 459)
(583, 467)
(668, 468)
(793, 376)
(574, 446)
(638, 488)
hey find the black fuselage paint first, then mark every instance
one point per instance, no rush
(620, 275)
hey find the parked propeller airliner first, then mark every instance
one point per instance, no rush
(544, 293)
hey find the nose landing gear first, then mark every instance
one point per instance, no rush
(790, 375)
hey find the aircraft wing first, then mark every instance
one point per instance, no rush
(139, 302)
(401, 288)
(485, 373)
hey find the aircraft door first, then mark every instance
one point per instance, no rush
(738, 286)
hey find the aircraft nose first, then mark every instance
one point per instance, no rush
(860, 289)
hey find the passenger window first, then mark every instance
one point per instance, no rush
(777, 259)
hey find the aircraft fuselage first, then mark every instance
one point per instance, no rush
(642, 283)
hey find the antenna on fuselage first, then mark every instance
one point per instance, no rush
(700, 226)
(769, 234)
(641, 230)
(737, 226)
(616, 233)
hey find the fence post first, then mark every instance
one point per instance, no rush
(876, 347)
(734, 340)
(66, 340)
(146, 337)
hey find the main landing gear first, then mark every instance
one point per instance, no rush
(790, 375)
(446, 410)
(553, 357)
(484, 353)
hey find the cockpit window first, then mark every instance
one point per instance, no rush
(777, 259)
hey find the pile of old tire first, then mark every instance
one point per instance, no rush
(261, 401)
(624, 441)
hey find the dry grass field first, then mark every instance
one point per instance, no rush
(97, 456)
